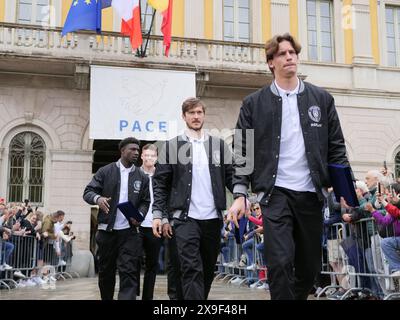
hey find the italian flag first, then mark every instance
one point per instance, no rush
(130, 13)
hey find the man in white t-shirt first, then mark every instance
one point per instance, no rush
(296, 132)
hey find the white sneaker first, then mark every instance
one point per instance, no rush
(38, 280)
(236, 280)
(19, 274)
(30, 283)
(396, 274)
(53, 279)
(254, 285)
(251, 267)
(6, 267)
(61, 263)
(263, 286)
(21, 284)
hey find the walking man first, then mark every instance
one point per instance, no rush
(151, 243)
(189, 182)
(119, 245)
(297, 133)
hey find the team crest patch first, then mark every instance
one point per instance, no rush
(314, 112)
(217, 158)
(137, 184)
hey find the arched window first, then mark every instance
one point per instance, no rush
(397, 165)
(26, 162)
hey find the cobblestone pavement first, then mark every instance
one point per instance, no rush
(87, 289)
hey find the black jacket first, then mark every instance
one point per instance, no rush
(335, 216)
(323, 138)
(172, 180)
(106, 183)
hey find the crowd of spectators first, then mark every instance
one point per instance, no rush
(29, 240)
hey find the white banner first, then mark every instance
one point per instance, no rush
(141, 103)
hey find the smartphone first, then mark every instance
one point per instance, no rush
(379, 188)
(384, 165)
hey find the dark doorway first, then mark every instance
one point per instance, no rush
(106, 151)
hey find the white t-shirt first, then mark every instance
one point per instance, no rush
(293, 171)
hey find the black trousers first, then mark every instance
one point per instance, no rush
(118, 250)
(292, 236)
(198, 243)
(151, 249)
(174, 285)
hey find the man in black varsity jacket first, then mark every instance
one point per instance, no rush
(118, 241)
(189, 182)
(296, 133)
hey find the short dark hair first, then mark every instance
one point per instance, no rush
(127, 141)
(58, 213)
(150, 146)
(272, 45)
(191, 103)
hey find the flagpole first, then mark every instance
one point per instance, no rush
(148, 35)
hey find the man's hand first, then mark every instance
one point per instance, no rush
(134, 222)
(103, 204)
(368, 206)
(359, 193)
(346, 217)
(167, 230)
(157, 228)
(239, 207)
(344, 204)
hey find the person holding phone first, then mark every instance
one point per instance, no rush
(118, 241)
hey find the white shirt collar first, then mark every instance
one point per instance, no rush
(122, 167)
(150, 174)
(201, 139)
(283, 92)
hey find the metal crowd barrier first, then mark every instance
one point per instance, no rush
(33, 257)
(356, 262)
(238, 273)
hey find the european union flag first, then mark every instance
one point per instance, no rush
(83, 15)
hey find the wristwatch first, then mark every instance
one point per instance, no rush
(237, 195)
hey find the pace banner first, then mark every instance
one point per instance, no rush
(143, 103)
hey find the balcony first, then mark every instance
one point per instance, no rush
(34, 50)
(214, 61)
